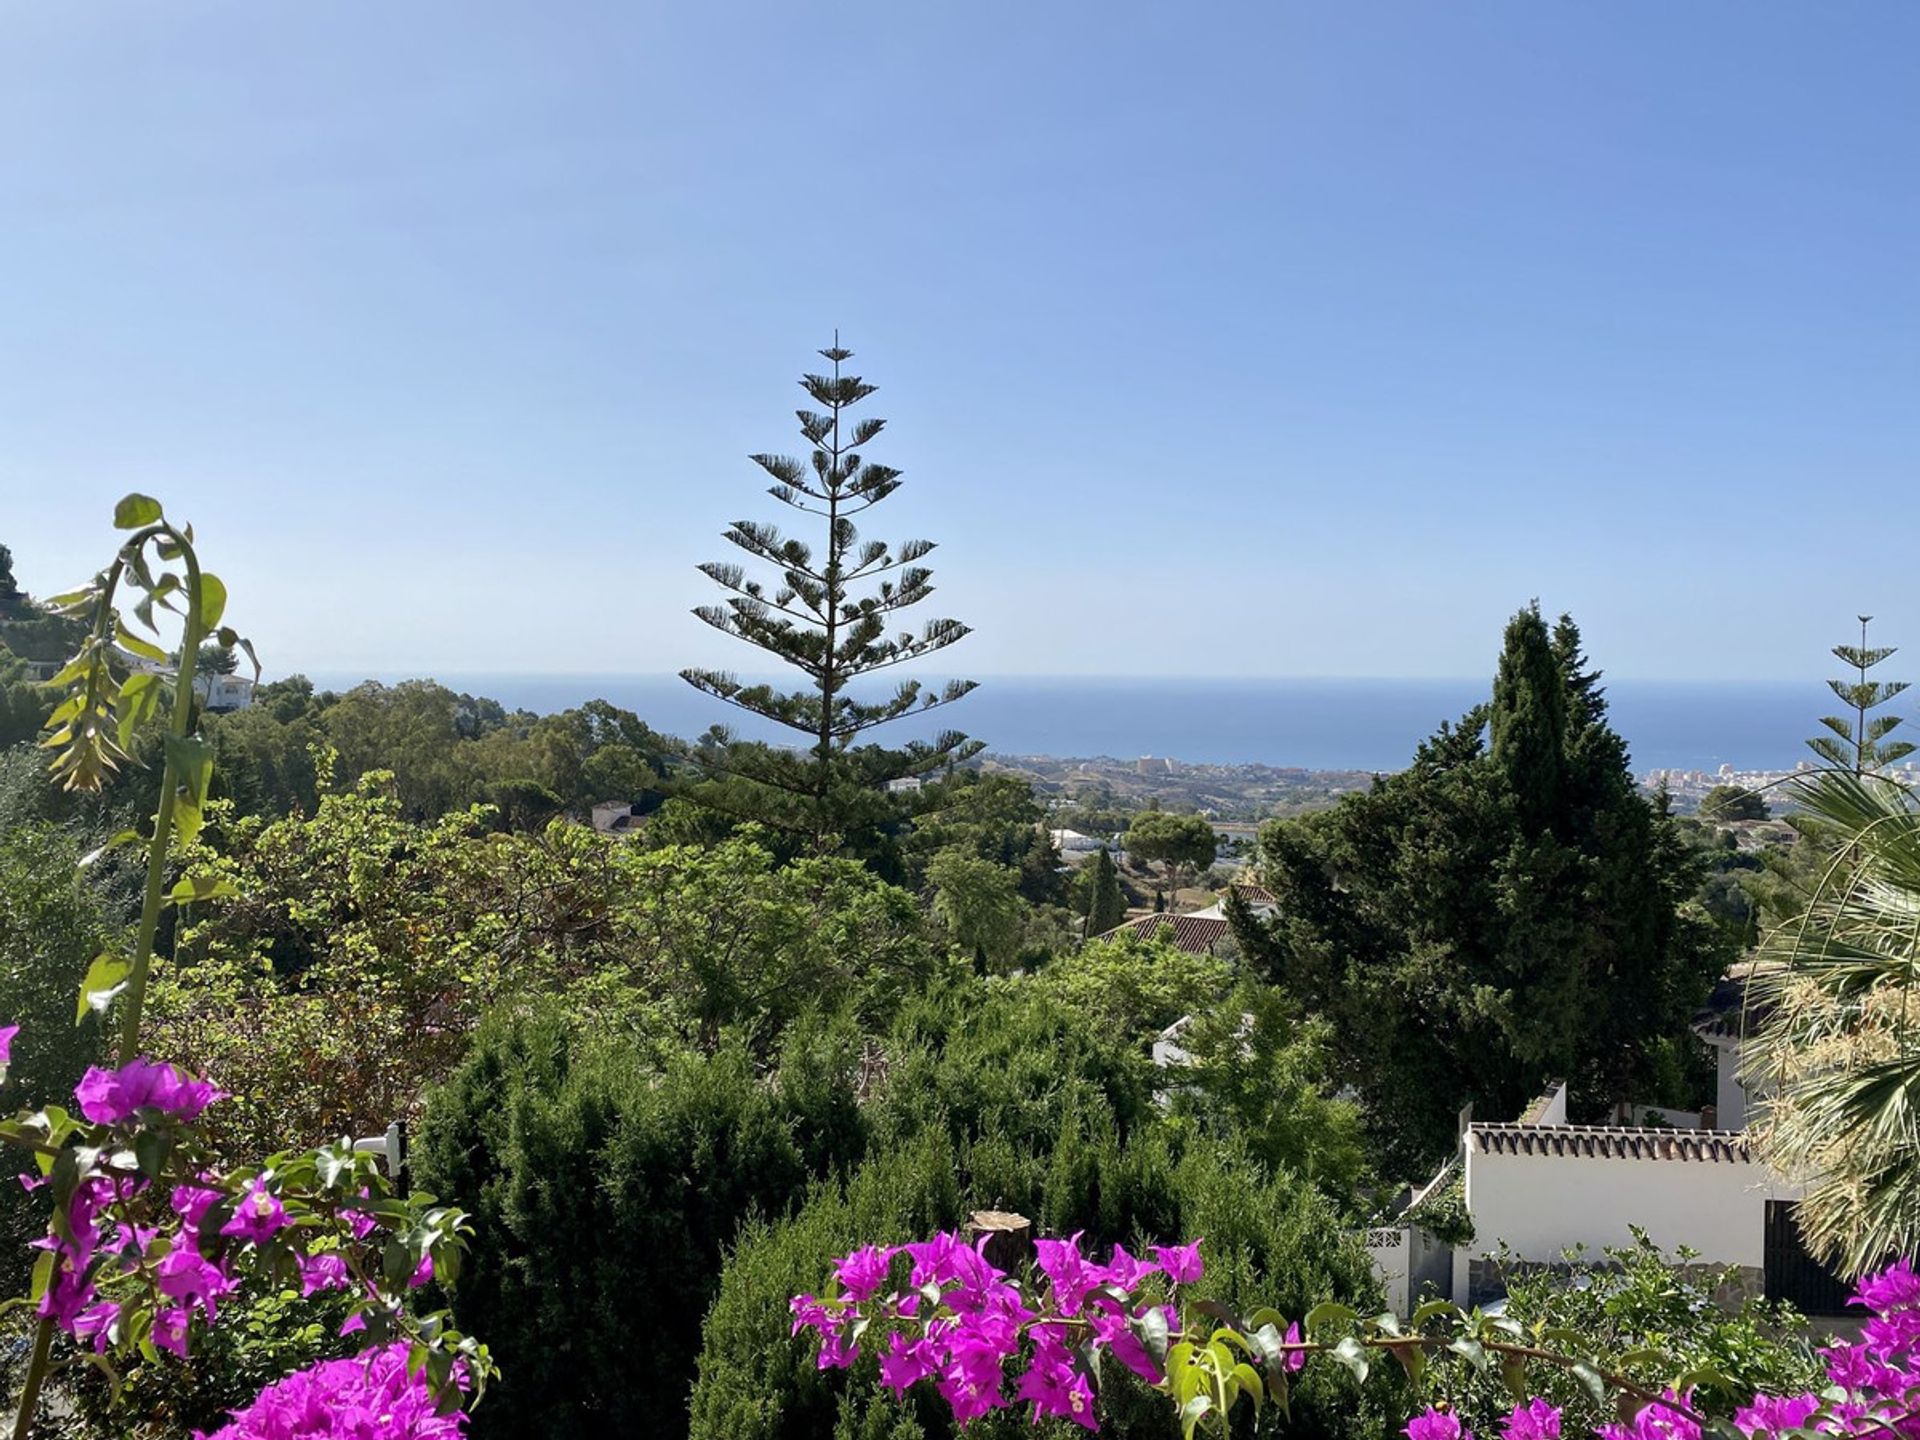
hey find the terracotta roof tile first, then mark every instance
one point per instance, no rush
(1196, 934)
(1611, 1142)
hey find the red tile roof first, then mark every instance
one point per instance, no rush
(1255, 895)
(1196, 934)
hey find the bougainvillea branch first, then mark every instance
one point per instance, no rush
(940, 1312)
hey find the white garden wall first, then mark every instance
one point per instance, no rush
(1540, 1203)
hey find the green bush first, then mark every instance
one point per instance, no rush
(1267, 1241)
(604, 1190)
(51, 927)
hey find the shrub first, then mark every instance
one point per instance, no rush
(604, 1190)
(1269, 1241)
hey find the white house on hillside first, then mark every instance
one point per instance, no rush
(1539, 1187)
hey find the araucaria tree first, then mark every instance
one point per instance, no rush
(1858, 743)
(826, 614)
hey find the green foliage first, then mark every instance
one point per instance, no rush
(1857, 742)
(1269, 1241)
(979, 903)
(1444, 1214)
(1491, 916)
(1183, 843)
(1105, 903)
(1664, 1313)
(51, 927)
(1134, 988)
(827, 617)
(1257, 1075)
(604, 1191)
(1732, 802)
(1832, 1042)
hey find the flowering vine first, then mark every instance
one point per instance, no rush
(941, 1312)
(151, 1231)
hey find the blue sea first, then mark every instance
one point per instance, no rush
(1314, 724)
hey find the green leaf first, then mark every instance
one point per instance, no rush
(1267, 1342)
(1352, 1354)
(1413, 1360)
(1431, 1308)
(1192, 1412)
(136, 510)
(151, 1150)
(138, 645)
(192, 761)
(1513, 1372)
(1248, 1379)
(106, 978)
(190, 889)
(1595, 1382)
(1153, 1332)
(42, 1276)
(1473, 1352)
(213, 601)
(139, 698)
(1330, 1312)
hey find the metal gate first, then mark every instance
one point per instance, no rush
(1792, 1274)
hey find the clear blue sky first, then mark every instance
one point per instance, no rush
(1257, 339)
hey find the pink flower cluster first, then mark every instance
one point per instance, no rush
(961, 1322)
(104, 1238)
(368, 1397)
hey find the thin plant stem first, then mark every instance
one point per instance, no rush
(158, 849)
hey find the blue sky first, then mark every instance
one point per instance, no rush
(1259, 339)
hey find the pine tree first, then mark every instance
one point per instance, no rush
(826, 616)
(1860, 744)
(1106, 902)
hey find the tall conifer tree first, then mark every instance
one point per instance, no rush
(826, 615)
(1860, 743)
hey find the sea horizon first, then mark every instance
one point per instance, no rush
(1312, 723)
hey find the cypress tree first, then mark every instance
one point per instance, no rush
(1106, 903)
(1858, 743)
(826, 616)
(1528, 724)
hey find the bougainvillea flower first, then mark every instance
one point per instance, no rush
(1657, 1421)
(1061, 1262)
(365, 1396)
(1895, 1288)
(325, 1271)
(259, 1216)
(1181, 1262)
(1536, 1420)
(864, 1271)
(1434, 1424)
(1775, 1415)
(906, 1363)
(109, 1096)
(7, 1032)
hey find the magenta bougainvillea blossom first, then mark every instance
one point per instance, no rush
(987, 1340)
(149, 1241)
(367, 1397)
(108, 1097)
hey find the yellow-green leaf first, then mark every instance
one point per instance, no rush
(106, 978)
(213, 602)
(136, 510)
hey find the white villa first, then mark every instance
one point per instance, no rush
(1539, 1187)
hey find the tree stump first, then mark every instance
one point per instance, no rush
(1009, 1237)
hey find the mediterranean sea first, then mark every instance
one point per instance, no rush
(1316, 724)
